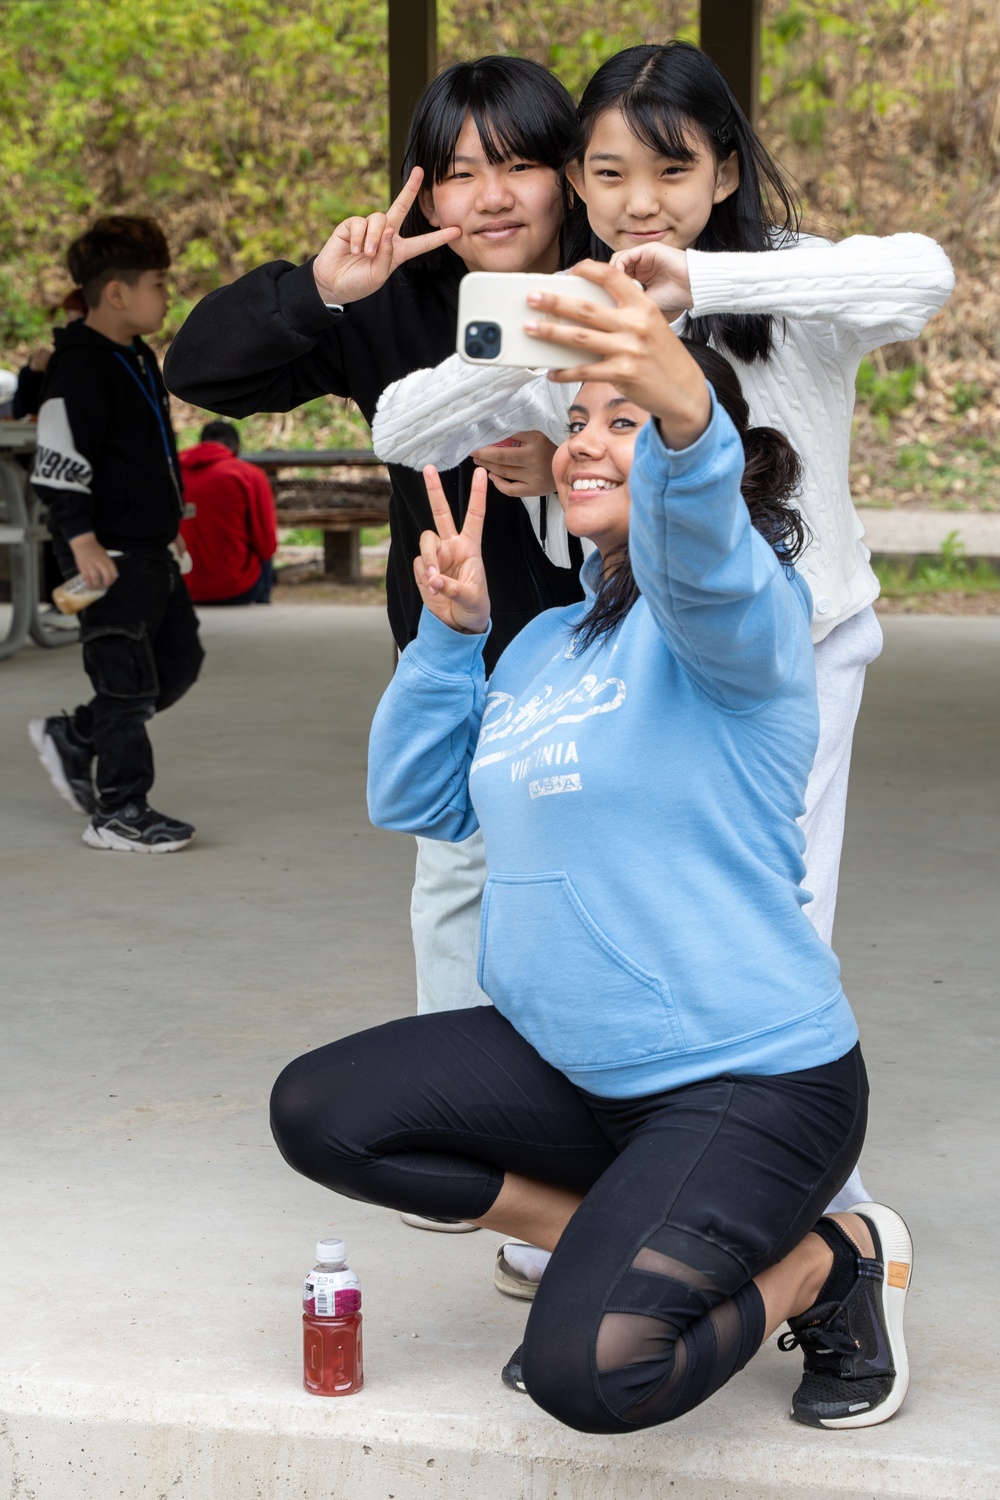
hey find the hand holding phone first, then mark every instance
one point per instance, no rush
(493, 309)
(630, 346)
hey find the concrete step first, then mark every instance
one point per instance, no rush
(906, 531)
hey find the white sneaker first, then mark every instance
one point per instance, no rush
(519, 1268)
(442, 1226)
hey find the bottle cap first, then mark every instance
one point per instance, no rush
(331, 1250)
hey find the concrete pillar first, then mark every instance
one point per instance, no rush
(342, 554)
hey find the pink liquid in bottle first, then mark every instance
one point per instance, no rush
(331, 1324)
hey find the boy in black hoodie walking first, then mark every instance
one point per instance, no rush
(107, 469)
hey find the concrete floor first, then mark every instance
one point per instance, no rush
(154, 1242)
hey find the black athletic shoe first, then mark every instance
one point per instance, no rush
(137, 828)
(856, 1370)
(511, 1372)
(67, 761)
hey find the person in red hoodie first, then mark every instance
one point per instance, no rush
(231, 534)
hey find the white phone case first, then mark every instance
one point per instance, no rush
(497, 300)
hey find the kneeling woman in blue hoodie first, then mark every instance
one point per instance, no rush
(668, 1088)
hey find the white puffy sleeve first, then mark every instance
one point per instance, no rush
(442, 415)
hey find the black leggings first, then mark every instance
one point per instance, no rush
(648, 1304)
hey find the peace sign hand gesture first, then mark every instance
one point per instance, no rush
(449, 571)
(361, 254)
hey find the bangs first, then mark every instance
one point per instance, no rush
(506, 133)
(519, 110)
(661, 129)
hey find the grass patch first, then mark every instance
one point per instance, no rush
(886, 395)
(312, 536)
(301, 536)
(949, 573)
(955, 472)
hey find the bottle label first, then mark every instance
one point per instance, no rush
(325, 1296)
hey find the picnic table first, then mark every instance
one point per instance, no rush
(22, 531)
(354, 494)
(339, 504)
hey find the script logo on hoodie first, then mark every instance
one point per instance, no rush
(57, 463)
(521, 726)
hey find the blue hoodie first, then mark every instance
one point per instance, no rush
(642, 923)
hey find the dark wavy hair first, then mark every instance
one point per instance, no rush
(662, 91)
(771, 476)
(519, 109)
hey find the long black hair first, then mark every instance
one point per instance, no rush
(519, 108)
(662, 91)
(771, 475)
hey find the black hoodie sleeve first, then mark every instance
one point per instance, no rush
(28, 396)
(267, 342)
(73, 423)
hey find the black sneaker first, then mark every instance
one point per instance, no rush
(138, 828)
(856, 1370)
(66, 759)
(511, 1372)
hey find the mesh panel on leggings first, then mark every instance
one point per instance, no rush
(671, 1334)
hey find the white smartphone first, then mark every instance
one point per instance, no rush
(493, 309)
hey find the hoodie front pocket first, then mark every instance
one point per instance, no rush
(576, 997)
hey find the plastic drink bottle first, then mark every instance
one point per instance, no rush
(331, 1324)
(73, 595)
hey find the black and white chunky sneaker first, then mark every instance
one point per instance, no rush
(137, 828)
(66, 759)
(856, 1370)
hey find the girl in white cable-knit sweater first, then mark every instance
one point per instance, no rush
(681, 193)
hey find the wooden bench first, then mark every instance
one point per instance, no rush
(338, 504)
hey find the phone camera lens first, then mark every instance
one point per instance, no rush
(482, 340)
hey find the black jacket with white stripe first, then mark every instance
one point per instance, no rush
(106, 462)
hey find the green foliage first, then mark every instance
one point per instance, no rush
(302, 536)
(950, 573)
(20, 320)
(889, 394)
(954, 472)
(323, 423)
(802, 53)
(246, 127)
(966, 397)
(249, 128)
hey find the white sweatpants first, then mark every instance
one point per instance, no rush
(444, 918)
(841, 660)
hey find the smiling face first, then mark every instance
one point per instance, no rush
(635, 196)
(510, 212)
(592, 467)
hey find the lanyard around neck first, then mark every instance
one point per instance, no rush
(151, 398)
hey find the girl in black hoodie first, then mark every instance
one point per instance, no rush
(380, 300)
